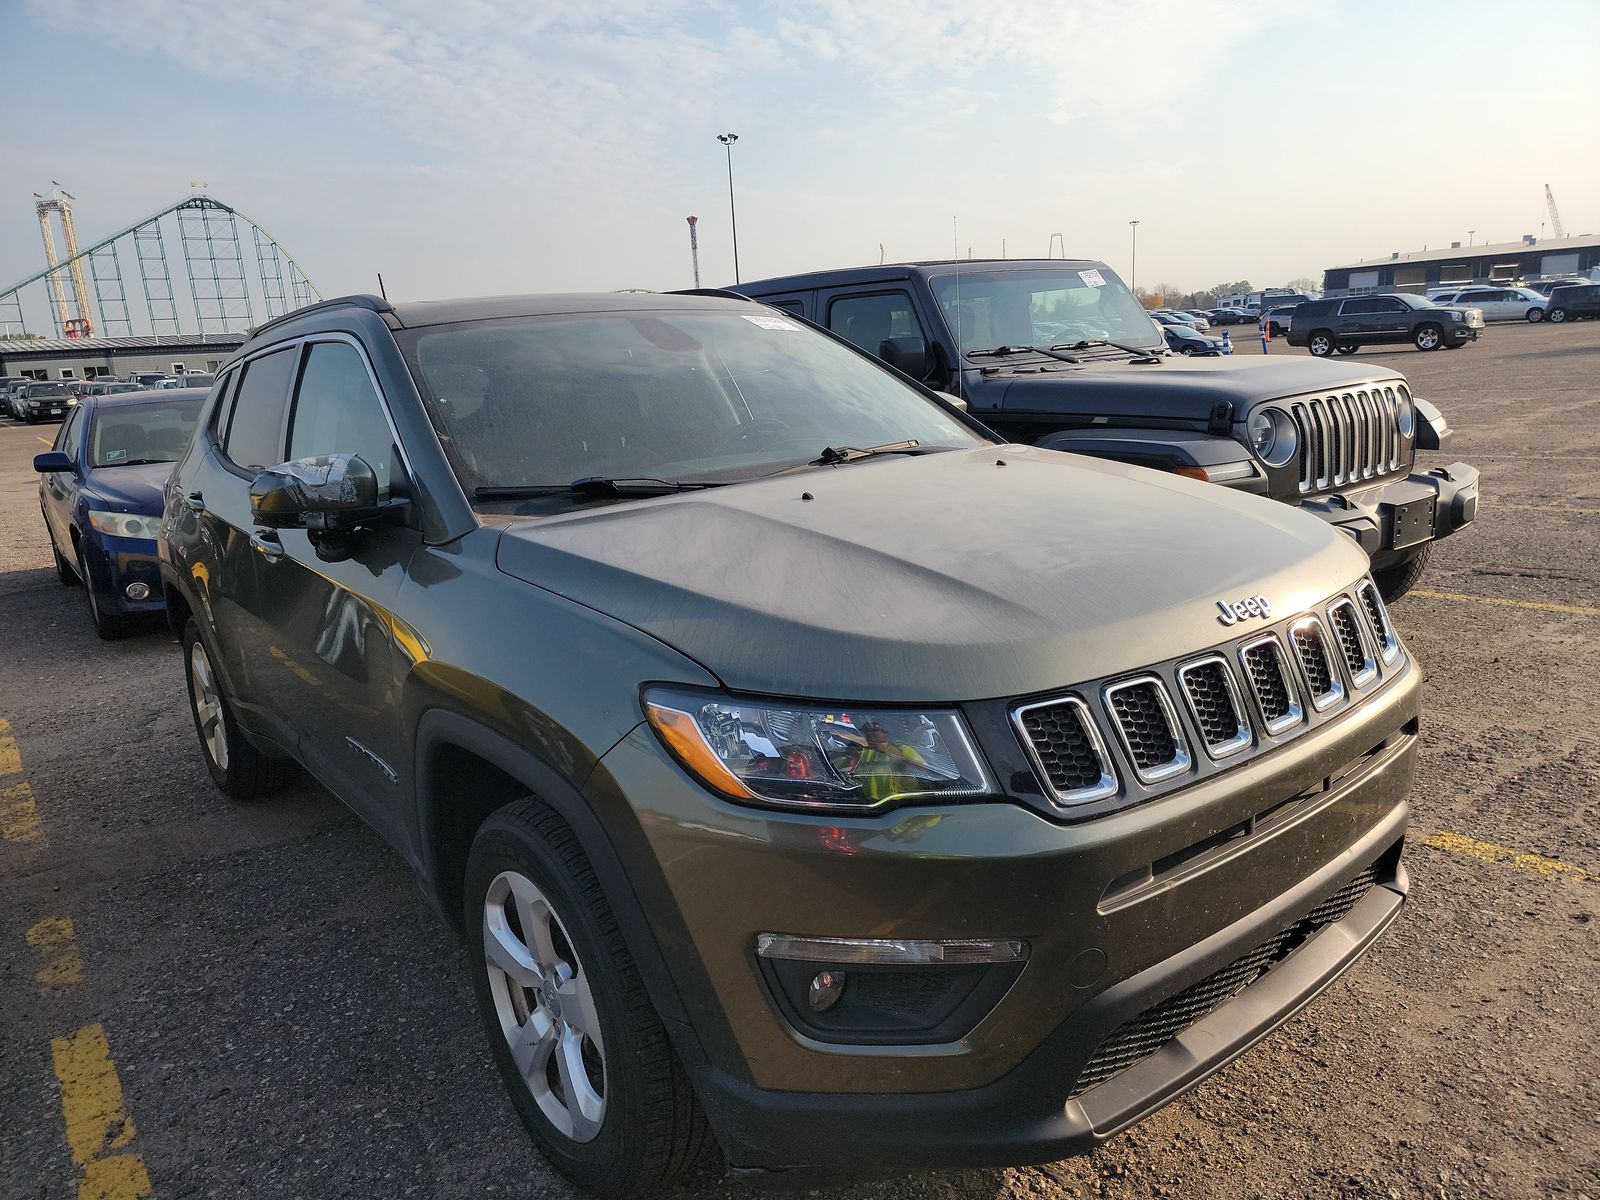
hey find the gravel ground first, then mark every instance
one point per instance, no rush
(287, 1018)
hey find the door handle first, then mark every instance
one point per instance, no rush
(195, 502)
(267, 544)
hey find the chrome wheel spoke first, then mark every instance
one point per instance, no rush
(532, 1046)
(585, 1106)
(505, 953)
(533, 911)
(578, 1011)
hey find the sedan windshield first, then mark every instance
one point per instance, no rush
(125, 435)
(987, 309)
(45, 391)
(667, 396)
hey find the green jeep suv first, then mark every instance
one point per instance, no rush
(814, 776)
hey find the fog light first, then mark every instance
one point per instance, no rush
(137, 591)
(825, 991)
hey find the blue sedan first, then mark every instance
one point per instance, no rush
(100, 488)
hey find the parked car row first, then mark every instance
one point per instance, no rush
(603, 609)
(26, 399)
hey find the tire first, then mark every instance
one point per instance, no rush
(1348, 347)
(1556, 316)
(237, 767)
(1535, 315)
(1187, 351)
(1394, 582)
(1428, 337)
(1321, 343)
(109, 626)
(640, 1127)
(64, 571)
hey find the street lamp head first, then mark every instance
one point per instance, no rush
(727, 139)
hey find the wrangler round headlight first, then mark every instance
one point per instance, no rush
(1404, 414)
(1273, 436)
(812, 756)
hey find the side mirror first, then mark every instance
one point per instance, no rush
(51, 460)
(331, 491)
(908, 355)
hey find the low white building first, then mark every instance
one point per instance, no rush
(86, 358)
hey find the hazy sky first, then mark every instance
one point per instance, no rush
(472, 147)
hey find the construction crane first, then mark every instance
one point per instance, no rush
(1555, 215)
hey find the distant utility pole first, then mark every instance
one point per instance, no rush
(1471, 233)
(1133, 271)
(727, 140)
(694, 248)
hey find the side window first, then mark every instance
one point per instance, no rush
(1387, 305)
(337, 411)
(1357, 308)
(224, 409)
(71, 440)
(255, 430)
(869, 321)
(790, 306)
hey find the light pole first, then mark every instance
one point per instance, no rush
(727, 140)
(1133, 271)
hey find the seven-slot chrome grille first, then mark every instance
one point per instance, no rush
(1131, 735)
(1348, 437)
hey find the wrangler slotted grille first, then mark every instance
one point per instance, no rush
(1270, 681)
(1148, 727)
(1346, 438)
(1060, 737)
(1152, 1029)
(1214, 701)
(1353, 644)
(1321, 675)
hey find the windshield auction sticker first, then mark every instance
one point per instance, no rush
(767, 322)
(1092, 278)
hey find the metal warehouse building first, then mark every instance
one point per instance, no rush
(1527, 261)
(85, 358)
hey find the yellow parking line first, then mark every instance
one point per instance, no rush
(46, 441)
(10, 756)
(19, 814)
(1488, 852)
(1556, 508)
(99, 1129)
(1576, 610)
(54, 940)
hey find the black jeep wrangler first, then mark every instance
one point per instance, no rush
(1057, 353)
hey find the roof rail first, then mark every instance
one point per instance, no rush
(375, 304)
(720, 293)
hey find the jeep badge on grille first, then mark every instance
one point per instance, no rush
(1239, 610)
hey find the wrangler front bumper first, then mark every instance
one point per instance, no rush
(1392, 521)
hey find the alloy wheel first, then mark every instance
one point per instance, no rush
(1427, 338)
(209, 717)
(545, 1005)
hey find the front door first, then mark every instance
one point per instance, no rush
(59, 489)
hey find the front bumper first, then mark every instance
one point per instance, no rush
(116, 562)
(1393, 520)
(713, 876)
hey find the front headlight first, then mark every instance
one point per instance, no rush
(1273, 436)
(811, 756)
(128, 525)
(1404, 414)
(1458, 316)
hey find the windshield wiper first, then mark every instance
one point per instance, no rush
(832, 456)
(138, 462)
(596, 485)
(1001, 351)
(1139, 352)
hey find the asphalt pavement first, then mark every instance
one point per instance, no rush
(203, 998)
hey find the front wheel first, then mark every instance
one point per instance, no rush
(1187, 351)
(571, 1026)
(1429, 337)
(1348, 347)
(1535, 315)
(1321, 343)
(108, 625)
(1556, 316)
(236, 766)
(1394, 582)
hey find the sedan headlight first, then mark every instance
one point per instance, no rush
(811, 756)
(1404, 414)
(1273, 436)
(128, 525)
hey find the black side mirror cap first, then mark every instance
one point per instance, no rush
(330, 491)
(908, 355)
(51, 460)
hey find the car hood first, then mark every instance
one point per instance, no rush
(943, 577)
(135, 489)
(1177, 387)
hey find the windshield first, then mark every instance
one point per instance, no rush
(37, 390)
(989, 309)
(125, 434)
(673, 395)
(1417, 301)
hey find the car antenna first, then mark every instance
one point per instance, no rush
(381, 292)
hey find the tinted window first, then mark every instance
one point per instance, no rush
(255, 432)
(337, 411)
(72, 435)
(869, 321)
(1359, 308)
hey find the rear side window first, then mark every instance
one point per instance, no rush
(255, 430)
(337, 411)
